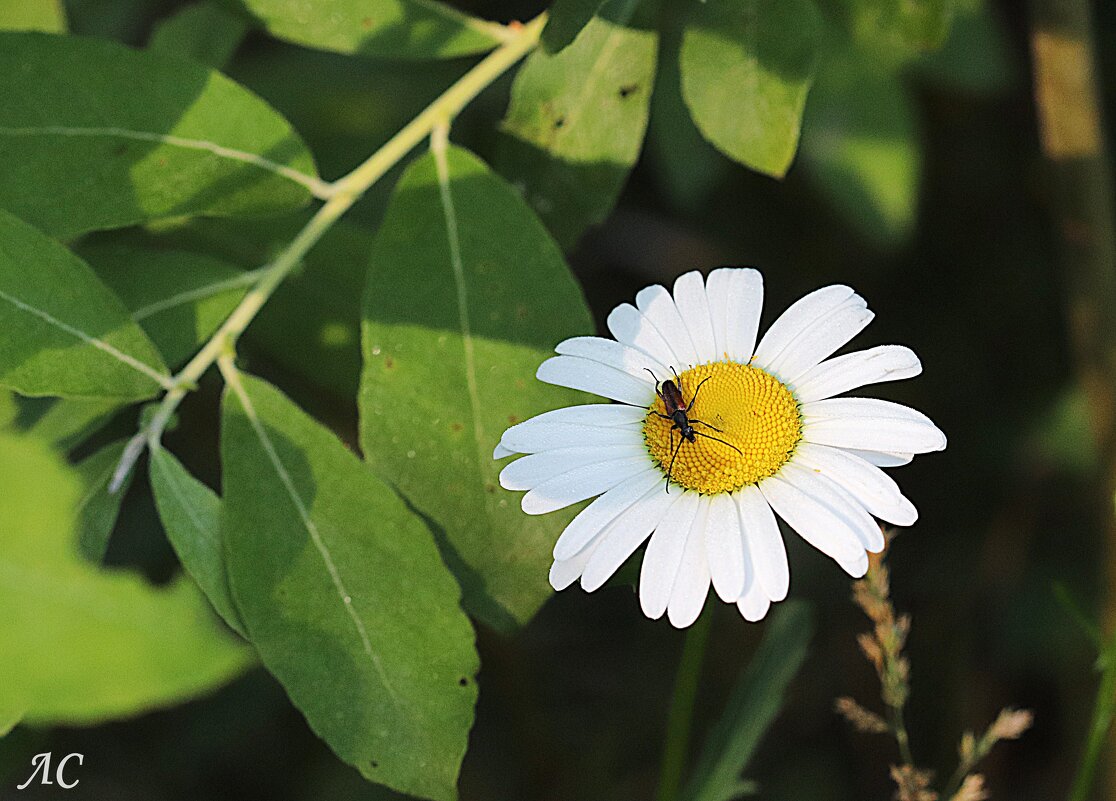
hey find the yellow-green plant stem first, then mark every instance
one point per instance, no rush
(1104, 710)
(343, 194)
(681, 717)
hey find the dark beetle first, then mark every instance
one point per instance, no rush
(677, 411)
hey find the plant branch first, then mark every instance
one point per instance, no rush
(343, 193)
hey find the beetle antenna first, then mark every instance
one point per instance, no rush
(693, 400)
(718, 439)
(656, 379)
(670, 470)
(703, 423)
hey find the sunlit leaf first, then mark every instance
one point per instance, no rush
(899, 29)
(464, 302)
(184, 140)
(343, 592)
(576, 122)
(204, 32)
(98, 508)
(755, 701)
(746, 68)
(65, 333)
(861, 147)
(9, 719)
(191, 515)
(178, 298)
(409, 29)
(48, 16)
(129, 647)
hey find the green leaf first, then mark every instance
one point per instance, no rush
(343, 592)
(9, 719)
(178, 298)
(204, 32)
(65, 333)
(98, 508)
(129, 647)
(899, 29)
(33, 15)
(746, 68)
(755, 701)
(191, 515)
(576, 122)
(861, 147)
(88, 147)
(405, 29)
(567, 18)
(467, 295)
(64, 422)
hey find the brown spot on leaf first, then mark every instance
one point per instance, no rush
(513, 419)
(628, 89)
(388, 362)
(366, 23)
(457, 426)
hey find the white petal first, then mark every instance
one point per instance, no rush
(691, 584)
(532, 470)
(634, 362)
(591, 520)
(540, 435)
(500, 452)
(591, 414)
(797, 318)
(626, 533)
(753, 602)
(735, 302)
(870, 486)
(765, 543)
(663, 556)
(564, 573)
(882, 458)
(724, 548)
(629, 326)
(870, 424)
(608, 382)
(693, 305)
(820, 339)
(580, 483)
(853, 370)
(824, 490)
(658, 306)
(817, 524)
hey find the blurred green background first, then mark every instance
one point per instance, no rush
(921, 183)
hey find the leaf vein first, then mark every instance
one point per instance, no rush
(162, 380)
(316, 186)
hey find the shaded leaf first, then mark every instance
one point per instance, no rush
(746, 68)
(576, 122)
(191, 516)
(64, 422)
(98, 508)
(343, 592)
(184, 140)
(178, 298)
(456, 321)
(129, 647)
(33, 15)
(861, 147)
(567, 18)
(407, 29)
(65, 333)
(755, 701)
(685, 163)
(204, 32)
(977, 56)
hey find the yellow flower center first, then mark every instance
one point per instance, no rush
(749, 409)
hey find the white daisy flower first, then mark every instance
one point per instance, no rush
(759, 434)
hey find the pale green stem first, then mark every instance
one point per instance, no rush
(681, 717)
(1103, 712)
(343, 194)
